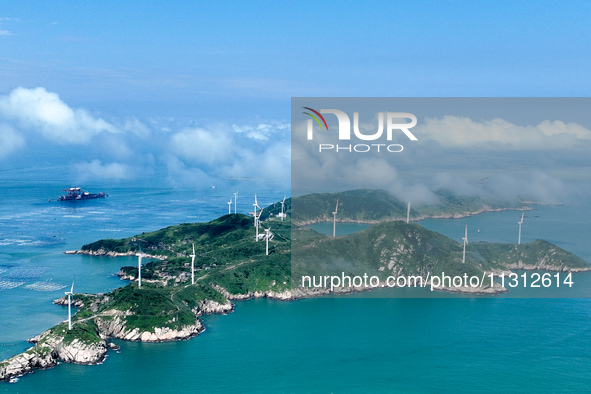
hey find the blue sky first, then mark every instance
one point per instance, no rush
(160, 75)
(194, 57)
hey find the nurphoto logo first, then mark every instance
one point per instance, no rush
(391, 124)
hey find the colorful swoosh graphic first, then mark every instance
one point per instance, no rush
(315, 118)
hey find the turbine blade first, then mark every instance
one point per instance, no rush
(193, 248)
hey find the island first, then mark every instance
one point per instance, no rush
(231, 265)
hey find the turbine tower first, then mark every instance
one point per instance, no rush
(267, 236)
(256, 218)
(193, 266)
(282, 204)
(465, 238)
(139, 268)
(334, 220)
(230, 206)
(408, 213)
(255, 205)
(235, 194)
(520, 223)
(70, 294)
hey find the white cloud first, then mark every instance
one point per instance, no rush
(44, 112)
(10, 140)
(179, 174)
(136, 127)
(97, 170)
(125, 148)
(416, 193)
(454, 131)
(262, 131)
(537, 186)
(211, 147)
(233, 151)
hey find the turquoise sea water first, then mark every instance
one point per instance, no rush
(331, 344)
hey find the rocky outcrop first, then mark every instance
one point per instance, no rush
(109, 253)
(208, 307)
(26, 362)
(76, 351)
(115, 327)
(64, 301)
(48, 350)
(541, 266)
(286, 295)
(496, 289)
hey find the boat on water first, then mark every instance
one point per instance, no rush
(77, 194)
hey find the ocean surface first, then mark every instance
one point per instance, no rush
(331, 344)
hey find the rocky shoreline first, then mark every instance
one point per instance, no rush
(49, 349)
(104, 252)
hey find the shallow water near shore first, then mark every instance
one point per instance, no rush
(344, 344)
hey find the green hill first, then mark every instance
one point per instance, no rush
(398, 248)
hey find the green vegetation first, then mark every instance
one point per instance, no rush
(261, 274)
(85, 331)
(174, 240)
(151, 306)
(39, 350)
(227, 256)
(191, 295)
(274, 209)
(407, 249)
(539, 252)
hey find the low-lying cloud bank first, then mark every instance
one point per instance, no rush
(469, 157)
(37, 123)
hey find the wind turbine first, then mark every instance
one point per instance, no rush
(282, 204)
(70, 294)
(235, 194)
(139, 267)
(256, 217)
(408, 213)
(230, 206)
(465, 238)
(520, 223)
(267, 236)
(255, 205)
(193, 266)
(334, 220)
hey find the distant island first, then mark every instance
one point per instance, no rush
(230, 265)
(374, 206)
